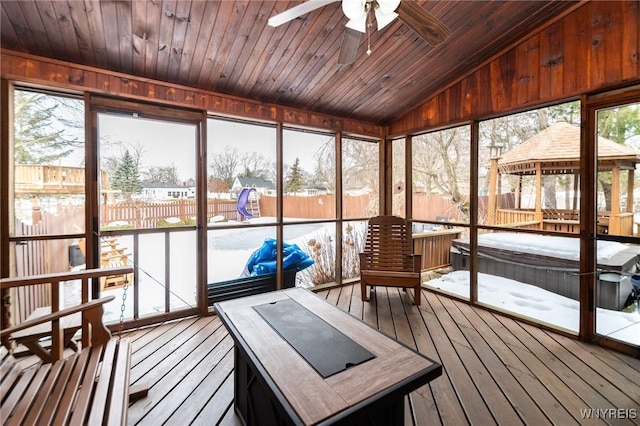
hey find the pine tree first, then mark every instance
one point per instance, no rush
(126, 177)
(43, 125)
(295, 180)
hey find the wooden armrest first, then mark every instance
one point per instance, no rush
(57, 315)
(6, 283)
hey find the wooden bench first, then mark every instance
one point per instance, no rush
(88, 387)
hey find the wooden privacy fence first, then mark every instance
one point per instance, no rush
(319, 206)
(40, 257)
(147, 214)
(47, 256)
(431, 206)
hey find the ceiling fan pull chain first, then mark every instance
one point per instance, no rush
(368, 7)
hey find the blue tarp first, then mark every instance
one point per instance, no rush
(263, 260)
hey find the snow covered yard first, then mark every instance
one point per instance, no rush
(538, 304)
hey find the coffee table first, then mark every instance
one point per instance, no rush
(300, 360)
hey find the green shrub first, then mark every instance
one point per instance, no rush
(162, 223)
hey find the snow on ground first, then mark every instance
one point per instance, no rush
(540, 305)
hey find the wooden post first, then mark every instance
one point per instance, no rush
(493, 177)
(614, 215)
(630, 188)
(576, 183)
(6, 214)
(538, 214)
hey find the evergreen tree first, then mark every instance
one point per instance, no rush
(126, 177)
(43, 124)
(295, 181)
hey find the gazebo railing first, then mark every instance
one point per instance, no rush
(564, 221)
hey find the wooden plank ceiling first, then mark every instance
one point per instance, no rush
(227, 47)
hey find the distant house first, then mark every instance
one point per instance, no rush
(167, 191)
(262, 186)
(313, 190)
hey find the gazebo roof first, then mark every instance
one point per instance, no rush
(557, 150)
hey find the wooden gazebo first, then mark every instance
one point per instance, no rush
(556, 151)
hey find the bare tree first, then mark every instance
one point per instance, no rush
(254, 164)
(224, 165)
(441, 164)
(324, 172)
(162, 174)
(360, 169)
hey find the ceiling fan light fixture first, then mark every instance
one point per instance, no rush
(385, 11)
(358, 24)
(356, 11)
(384, 19)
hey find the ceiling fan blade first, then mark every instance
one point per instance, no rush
(422, 22)
(297, 11)
(349, 48)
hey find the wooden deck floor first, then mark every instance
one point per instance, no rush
(496, 370)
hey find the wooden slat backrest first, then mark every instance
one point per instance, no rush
(32, 401)
(88, 383)
(54, 399)
(388, 245)
(119, 398)
(102, 387)
(17, 387)
(70, 389)
(110, 401)
(8, 371)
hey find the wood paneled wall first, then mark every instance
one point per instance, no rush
(594, 48)
(58, 74)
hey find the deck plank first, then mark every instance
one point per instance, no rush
(496, 370)
(627, 395)
(608, 364)
(206, 390)
(485, 323)
(409, 332)
(437, 401)
(571, 390)
(474, 405)
(185, 355)
(484, 346)
(188, 395)
(218, 405)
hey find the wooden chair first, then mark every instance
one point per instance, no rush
(388, 258)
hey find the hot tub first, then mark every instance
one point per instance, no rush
(552, 263)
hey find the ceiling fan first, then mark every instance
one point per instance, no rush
(361, 13)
